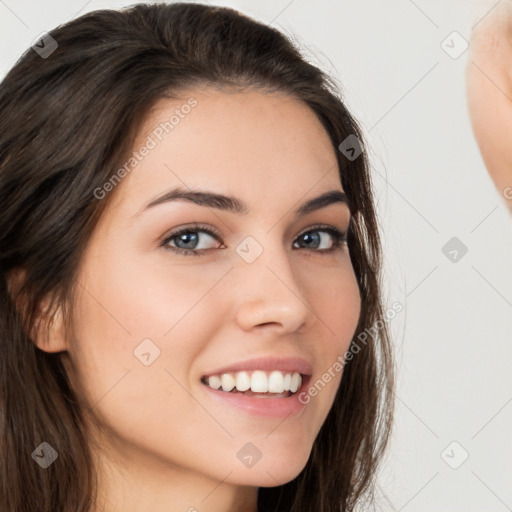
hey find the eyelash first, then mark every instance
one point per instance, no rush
(340, 238)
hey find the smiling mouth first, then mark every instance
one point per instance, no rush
(257, 384)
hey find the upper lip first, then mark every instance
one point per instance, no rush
(289, 364)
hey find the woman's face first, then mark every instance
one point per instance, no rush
(150, 321)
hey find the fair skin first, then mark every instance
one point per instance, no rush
(171, 446)
(489, 94)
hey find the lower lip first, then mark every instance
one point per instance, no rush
(270, 407)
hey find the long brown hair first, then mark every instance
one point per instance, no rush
(68, 120)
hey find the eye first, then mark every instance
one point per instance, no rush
(314, 241)
(187, 241)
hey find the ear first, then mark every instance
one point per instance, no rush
(48, 332)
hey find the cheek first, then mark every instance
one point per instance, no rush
(336, 300)
(155, 313)
(134, 299)
(129, 314)
(345, 307)
(335, 297)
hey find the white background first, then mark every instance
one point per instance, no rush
(453, 341)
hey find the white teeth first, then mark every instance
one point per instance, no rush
(257, 381)
(276, 382)
(243, 381)
(287, 381)
(228, 382)
(214, 382)
(296, 382)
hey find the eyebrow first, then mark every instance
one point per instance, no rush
(235, 205)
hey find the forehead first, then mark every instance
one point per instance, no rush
(243, 143)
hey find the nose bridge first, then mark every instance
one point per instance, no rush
(269, 290)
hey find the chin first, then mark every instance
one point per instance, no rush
(279, 470)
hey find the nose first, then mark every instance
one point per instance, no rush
(268, 293)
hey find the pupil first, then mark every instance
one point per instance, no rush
(310, 236)
(187, 236)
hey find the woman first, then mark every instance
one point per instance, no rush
(191, 310)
